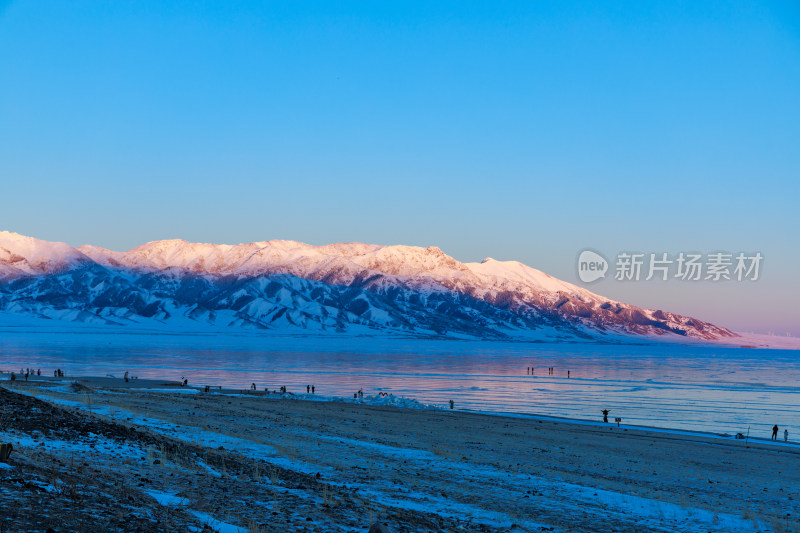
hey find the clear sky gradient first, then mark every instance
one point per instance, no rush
(519, 130)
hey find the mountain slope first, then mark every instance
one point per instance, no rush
(26, 256)
(337, 287)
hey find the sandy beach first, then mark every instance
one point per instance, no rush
(99, 454)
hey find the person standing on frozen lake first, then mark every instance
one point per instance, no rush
(785, 435)
(775, 432)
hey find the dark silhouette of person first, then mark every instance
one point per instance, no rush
(313, 388)
(775, 432)
(605, 416)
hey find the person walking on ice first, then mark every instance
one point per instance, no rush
(775, 432)
(785, 435)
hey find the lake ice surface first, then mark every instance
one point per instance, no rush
(714, 389)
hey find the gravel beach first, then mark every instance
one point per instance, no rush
(99, 454)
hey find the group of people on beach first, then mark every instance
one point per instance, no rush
(775, 433)
(310, 389)
(775, 428)
(28, 372)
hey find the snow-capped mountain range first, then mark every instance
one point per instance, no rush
(345, 287)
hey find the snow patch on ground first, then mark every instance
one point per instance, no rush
(167, 499)
(217, 525)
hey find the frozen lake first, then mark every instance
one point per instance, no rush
(716, 389)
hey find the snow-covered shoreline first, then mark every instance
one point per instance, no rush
(498, 471)
(107, 383)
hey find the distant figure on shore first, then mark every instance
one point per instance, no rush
(775, 432)
(127, 379)
(451, 404)
(26, 375)
(185, 381)
(605, 416)
(785, 435)
(38, 371)
(252, 386)
(13, 377)
(312, 389)
(308, 389)
(568, 374)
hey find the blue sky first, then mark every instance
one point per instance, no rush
(519, 130)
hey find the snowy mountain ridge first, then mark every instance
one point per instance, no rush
(338, 287)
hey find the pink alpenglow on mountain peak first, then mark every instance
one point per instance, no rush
(338, 287)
